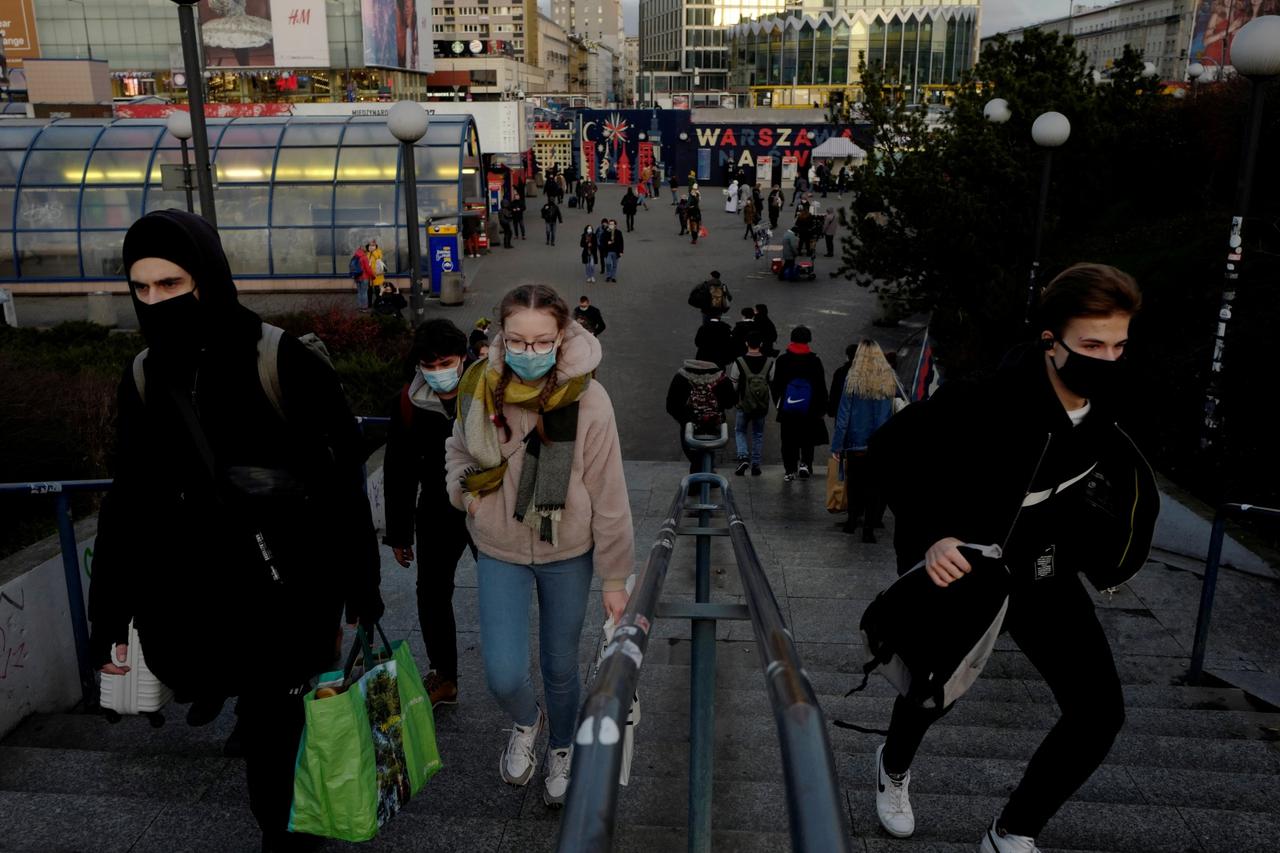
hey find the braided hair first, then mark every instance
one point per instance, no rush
(539, 297)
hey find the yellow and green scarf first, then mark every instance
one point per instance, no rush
(544, 478)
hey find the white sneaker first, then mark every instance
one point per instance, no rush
(892, 804)
(557, 782)
(996, 841)
(517, 764)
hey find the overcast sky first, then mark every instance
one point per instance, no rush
(997, 15)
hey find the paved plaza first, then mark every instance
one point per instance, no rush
(1195, 768)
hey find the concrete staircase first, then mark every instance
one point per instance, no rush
(1196, 768)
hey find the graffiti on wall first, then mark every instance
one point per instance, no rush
(13, 649)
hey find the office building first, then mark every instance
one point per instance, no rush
(800, 60)
(1162, 30)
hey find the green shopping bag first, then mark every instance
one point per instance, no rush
(367, 750)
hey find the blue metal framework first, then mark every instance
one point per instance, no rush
(295, 194)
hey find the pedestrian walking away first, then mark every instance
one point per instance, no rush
(699, 394)
(776, 202)
(417, 504)
(471, 229)
(589, 317)
(551, 215)
(800, 394)
(518, 208)
(863, 405)
(694, 214)
(751, 375)
(749, 219)
(589, 190)
(361, 273)
(682, 214)
(612, 248)
(589, 251)
(1035, 460)
(768, 331)
(536, 463)
(505, 222)
(711, 297)
(714, 342)
(674, 182)
(237, 482)
(742, 329)
(630, 202)
(829, 225)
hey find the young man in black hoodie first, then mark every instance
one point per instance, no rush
(418, 508)
(1034, 461)
(237, 521)
(800, 394)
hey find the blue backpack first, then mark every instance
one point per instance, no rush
(354, 268)
(798, 397)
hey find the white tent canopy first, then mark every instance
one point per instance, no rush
(839, 147)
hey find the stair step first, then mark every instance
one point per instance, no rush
(161, 778)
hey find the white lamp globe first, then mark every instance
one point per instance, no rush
(997, 111)
(1195, 71)
(1050, 129)
(1255, 51)
(1148, 69)
(407, 121)
(179, 124)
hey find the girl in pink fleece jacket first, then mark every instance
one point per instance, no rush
(535, 462)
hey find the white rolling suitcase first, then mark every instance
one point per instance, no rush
(138, 691)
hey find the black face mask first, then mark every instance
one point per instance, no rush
(1091, 378)
(173, 326)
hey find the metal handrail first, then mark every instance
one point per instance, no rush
(814, 803)
(1213, 561)
(62, 490)
(813, 793)
(593, 787)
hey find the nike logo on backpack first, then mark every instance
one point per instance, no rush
(791, 402)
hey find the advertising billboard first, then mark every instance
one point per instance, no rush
(397, 34)
(1218, 21)
(265, 33)
(18, 29)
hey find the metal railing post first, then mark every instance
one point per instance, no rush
(702, 688)
(75, 596)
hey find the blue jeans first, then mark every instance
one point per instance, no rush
(551, 233)
(591, 269)
(611, 265)
(757, 436)
(362, 293)
(563, 588)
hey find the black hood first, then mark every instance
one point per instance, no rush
(192, 243)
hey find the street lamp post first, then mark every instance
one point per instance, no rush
(1050, 130)
(1194, 72)
(407, 122)
(1256, 55)
(179, 123)
(195, 101)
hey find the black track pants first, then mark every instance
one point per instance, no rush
(1055, 625)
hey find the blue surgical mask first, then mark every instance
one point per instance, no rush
(442, 381)
(530, 366)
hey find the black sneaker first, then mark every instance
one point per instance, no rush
(755, 471)
(803, 472)
(743, 465)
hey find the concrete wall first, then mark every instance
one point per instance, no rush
(37, 651)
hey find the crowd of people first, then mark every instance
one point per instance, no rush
(503, 443)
